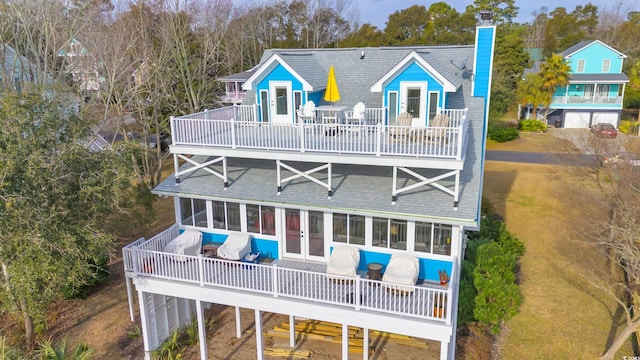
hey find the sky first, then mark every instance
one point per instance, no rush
(376, 12)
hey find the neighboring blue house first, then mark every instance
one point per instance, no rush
(596, 89)
(357, 211)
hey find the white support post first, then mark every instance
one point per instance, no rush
(145, 327)
(329, 180)
(129, 298)
(456, 190)
(238, 323)
(345, 342)
(202, 331)
(378, 139)
(225, 177)
(365, 343)
(274, 276)
(292, 331)
(278, 177)
(393, 190)
(259, 344)
(176, 167)
(444, 350)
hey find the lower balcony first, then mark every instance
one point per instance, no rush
(294, 280)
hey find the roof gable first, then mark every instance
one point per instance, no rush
(411, 58)
(271, 64)
(584, 44)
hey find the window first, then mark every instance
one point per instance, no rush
(433, 238)
(390, 233)
(433, 105)
(580, 67)
(606, 65)
(226, 216)
(348, 229)
(297, 99)
(193, 212)
(261, 219)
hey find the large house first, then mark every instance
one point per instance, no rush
(357, 205)
(595, 90)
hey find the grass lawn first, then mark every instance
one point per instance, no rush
(562, 316)
(531, 142)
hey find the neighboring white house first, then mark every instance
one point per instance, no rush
(326, 196)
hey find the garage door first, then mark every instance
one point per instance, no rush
(579, 120)
(609, 118)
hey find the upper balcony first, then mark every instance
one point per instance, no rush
(147, 259)
(586, 101)
(236, 131)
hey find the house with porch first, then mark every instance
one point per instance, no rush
(595, 90)
(347, 210)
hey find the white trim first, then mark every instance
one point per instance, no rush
(273, 106)
(621, 55)
(446, 84)
(269, 65)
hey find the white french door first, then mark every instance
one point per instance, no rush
(303, 234)
(280, 101)
(413, 99)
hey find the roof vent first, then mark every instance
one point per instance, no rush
(362, 55)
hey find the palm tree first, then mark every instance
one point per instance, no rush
(530, 92)
(555, 73)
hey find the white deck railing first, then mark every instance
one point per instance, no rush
(357, 293)
(220, 128)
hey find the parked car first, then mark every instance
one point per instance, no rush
(604, 130)
(622, 158)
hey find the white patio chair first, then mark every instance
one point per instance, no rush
(307, 113)
(355, 119)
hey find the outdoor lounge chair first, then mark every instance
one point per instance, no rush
(402, 270)
(355, 119)
(235, 247)
(187, 243)
(401, 133)
(344, 261)
(436, 129)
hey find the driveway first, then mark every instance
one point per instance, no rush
(587, 143)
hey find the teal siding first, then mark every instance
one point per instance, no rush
(484, 54)
(415, 73)
(279, 73)
(593, 56)
(428, 267)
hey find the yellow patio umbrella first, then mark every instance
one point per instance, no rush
(331, 93)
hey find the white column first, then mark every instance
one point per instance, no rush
(292, 331)
(365, 343)
(129, 297)
(202, 331)
(238, 324)
(259, 344)
(444, 350)
(145, 327)
(345, 342)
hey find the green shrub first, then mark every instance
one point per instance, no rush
(532, 126)
(502, 132)
(629, 127)
(489, 292)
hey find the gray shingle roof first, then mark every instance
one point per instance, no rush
(355, 76)
(577, 47)
(617, 78)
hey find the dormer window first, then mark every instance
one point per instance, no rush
(580, 66)
(606, 64)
